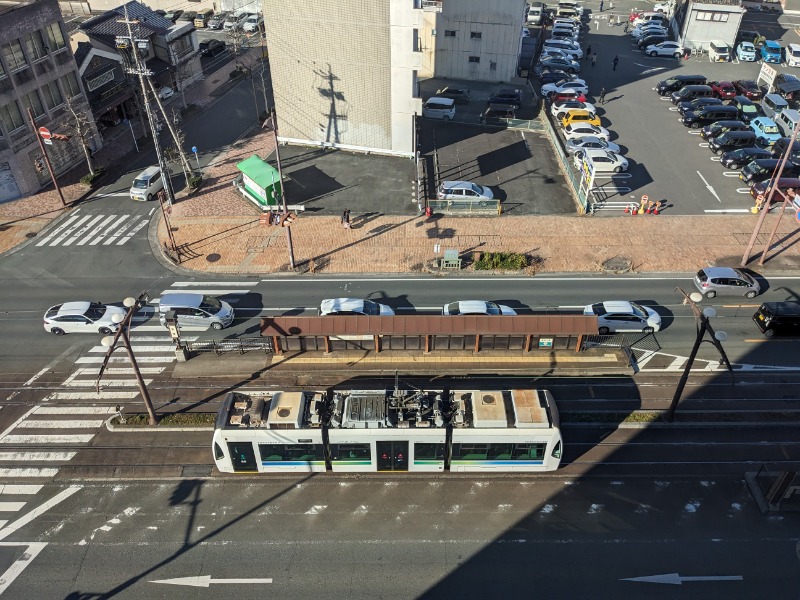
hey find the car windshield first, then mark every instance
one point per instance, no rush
(492, 309)
(770, 129)
(638, 310)
(210, 303)
(748, 108)
(95, 311)
(452, 309)
(476, 188)
(371, 308)
(599, 309)
(140, 184)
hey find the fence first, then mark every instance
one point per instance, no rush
(563, 159)
(466, 207)
(241, 344)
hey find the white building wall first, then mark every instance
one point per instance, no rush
(499, 24)
(699, 33)
(405, 32)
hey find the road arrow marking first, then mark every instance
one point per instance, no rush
(676, 579)
(205, 581)
(709, 187)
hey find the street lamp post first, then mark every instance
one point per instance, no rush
(111, 341)
(703, 325)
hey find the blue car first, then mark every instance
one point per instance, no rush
(767, 132)
(746, 52)
(771, 52)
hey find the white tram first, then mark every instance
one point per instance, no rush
(388, 430)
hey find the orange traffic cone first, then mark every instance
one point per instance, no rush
(627, 209)
(655, 208)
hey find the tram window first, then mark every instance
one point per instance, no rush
(470, 451)
(529, 452)
(218, 454)
(290, 452)
(500, 451)
(556, 453)
(350, 452)
(429, 451)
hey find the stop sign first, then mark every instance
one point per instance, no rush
(45, 133)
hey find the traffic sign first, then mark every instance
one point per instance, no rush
(46, 135)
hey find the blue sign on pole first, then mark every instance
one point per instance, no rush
(194, 149)
(197, 158)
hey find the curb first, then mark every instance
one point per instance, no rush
(118, 429)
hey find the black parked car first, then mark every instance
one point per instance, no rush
(460, 95)
(708, 115)
(506, 96)
(211, 47)
(742, 156)
(697, 104)
(554, 76)
(748, 110)
(763, 168)
(649, 40)
(719, 127)
(779, 148)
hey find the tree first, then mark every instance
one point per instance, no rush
(82, 126)
(237, 39)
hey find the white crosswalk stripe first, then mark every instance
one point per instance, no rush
(81, 230)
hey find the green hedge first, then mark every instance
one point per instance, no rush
(506, 261)
(170, 420)
(89, 179)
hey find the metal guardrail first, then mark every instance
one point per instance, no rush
(564, 160)
(241, 344)
(466, 207)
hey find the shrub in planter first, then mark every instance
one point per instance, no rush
(195, 181)
(89, 179)
(506, 261)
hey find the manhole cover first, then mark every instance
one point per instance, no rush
(213, 257)
(30, 234)
(618, 264)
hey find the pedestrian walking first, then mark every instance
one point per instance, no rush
(603, 96)
(628, 22)
(588, 51)
(616, 62)
(601, 5)
(346, 218)
(594, 59)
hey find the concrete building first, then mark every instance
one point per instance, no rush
(345, 73)
(37, 71)
(110, 91)
(699, 23)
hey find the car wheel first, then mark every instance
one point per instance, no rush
(216, 325)
(710, 294)
(654, 53)
(750, 294)
(648, 330)
(769, 333)
(560, 116)
(149, 197)
(57, 331)
(617, 169)
(105, 331)
(603, 331)
(695, 125)
(571, 71)
(447, 118)
(676, 55)
(718, 151)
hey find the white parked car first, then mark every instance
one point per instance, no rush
(253, 23)
(353, 306)
(621, 315)
(579, 85)
(602, 161)
(566, 48)
(673, 49)
(591, 141)
(164, 92)
(476, 307)
(559, 109)
(579, 130)
(562, 44)
(82, 317)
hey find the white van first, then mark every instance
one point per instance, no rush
(772, 105)
(535, 13)
(719, 51)
(793, 55)
(439, 108)
(787, 120)
(195, 310)
(569, 5)
(147, 184)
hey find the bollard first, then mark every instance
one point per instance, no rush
(650, 205)
(627, 209)
(656, 207)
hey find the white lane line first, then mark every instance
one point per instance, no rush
(58, 424)
(92, 395)
(18, 566)
(110, 228)
(207, 292)
(107, 383)
(17, 489)
(37, 456)
(136, 328)
(75, 410)
(11, 506)
(39, 510)
(96, 230)
(56, 241)
(121, 371)
(138, 348)
(17, 422)
(56, 231)
(191, 283)
(161, 338)
(81, 231)
(723, 211)
(28, 472)
(77, 438)
(96, 360)
(132, 232)
(117, 233)
(35, 377)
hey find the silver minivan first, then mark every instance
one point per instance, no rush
(787, 120)
(195, 310)
(439, 108)
(147, 184)
(772, 104)
(714, 281)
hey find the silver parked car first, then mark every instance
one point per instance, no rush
(477, 307)
(353, 306)
(621, 315)
(713, 281)
(460, 190)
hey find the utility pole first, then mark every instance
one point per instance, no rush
(765, 208)
(787, 197)
(46, 157)
(132, 44)
(274, 119)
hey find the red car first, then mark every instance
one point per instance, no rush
(567, 95)
(634, 16)
(723, 89)
(748, 88)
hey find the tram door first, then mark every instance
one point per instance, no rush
(243, 458)
(392, 456)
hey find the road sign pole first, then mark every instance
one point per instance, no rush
(46, 159)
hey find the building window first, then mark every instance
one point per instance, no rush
(33, 102)
(10, 117)
(417, 47)
(70, 83)
(34, 44)
(433, 33)
(449, 33)
(706, 15)
(103, 79)
(415, 84)
(15, 59)
(417, 3)
(52, 95)
(475, 35)
(474, 59)
(55, 37)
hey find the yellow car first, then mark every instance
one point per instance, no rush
(576, 116)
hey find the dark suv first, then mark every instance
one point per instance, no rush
(211, 47)
(673, 84)
(506, 96)
(460, 95)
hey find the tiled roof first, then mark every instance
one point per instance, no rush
(106, 27)
(82, 51)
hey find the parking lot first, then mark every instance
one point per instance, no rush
(668, 161)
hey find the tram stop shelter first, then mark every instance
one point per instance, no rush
(259, 182)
